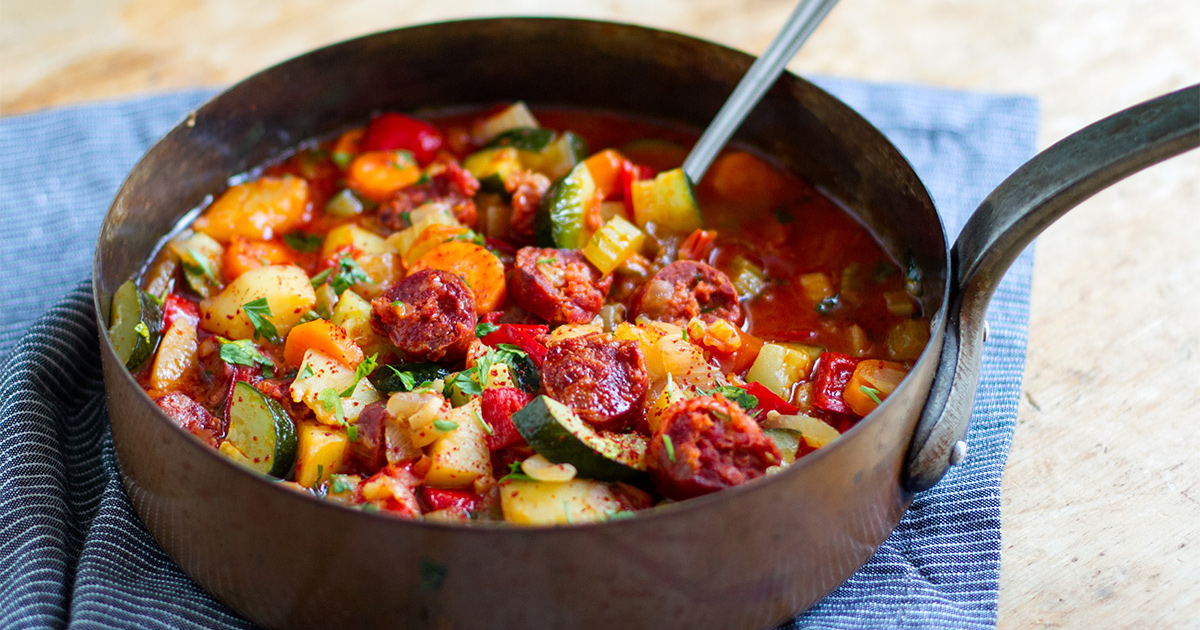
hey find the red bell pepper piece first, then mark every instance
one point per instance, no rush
(630, 173)
(523, 336)
(389, 132)
(833, 373)
(769, 401)
(499, 403)
(175, 307)
(440, 499)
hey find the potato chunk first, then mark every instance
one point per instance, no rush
(285, 287)
(261, 209)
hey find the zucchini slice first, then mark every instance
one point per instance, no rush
(388, 380)
(560, 216)
(668, 201)
(135, 325)
(559, 435)
(494, 168)
(262, 431)
(533, 139)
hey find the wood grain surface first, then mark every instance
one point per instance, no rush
(1101, 495)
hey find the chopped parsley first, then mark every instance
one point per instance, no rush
(348, 274)
(199, 265)
(486, 427)
(338, 485)
(406, 378)
(259, 311)
(319, 279)
(303, 241)
(332, 403)
(872, 392)
(305, 373)
(244, 352)
(544, 261)
(515, 473)
(743, 398)
(827, 305)
(445, 426)
(142, 330)
(670, 446)
(363, 370)
(309, 316)
(483, 329)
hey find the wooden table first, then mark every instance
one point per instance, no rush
(1101, 496)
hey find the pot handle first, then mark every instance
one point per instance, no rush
(1033, 197)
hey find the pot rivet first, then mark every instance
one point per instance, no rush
(985, 331)
(958, 453)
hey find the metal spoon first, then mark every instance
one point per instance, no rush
(761, 76)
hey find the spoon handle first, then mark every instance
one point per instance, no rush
(761, 76)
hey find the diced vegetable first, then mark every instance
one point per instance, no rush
(788, 441)
(430, 238)
(136, 325)
(872, 382)
(906, 340)
(530, 139)
(391, 132)
(344, 205)
(320, 452)
(668, 201)
(260, 209)
(557, 503)
(542, 469)
(562, 155)
(816, 286)
(461, 455)
(494, 168)
(613, 244)
(377, 174)
(262, 431)
(833, 373)
(479, 268)
(816, 433)
(779, 366)
(201, 258)
(244, 254)
(332, 390)
(353, 314)
(515, 116)
(390, 379)
(556, 432)
(899, 303)
(560, 219)
(351, 237)
(768, 401)
(285, 288)
(498, 406)
(176, 357)
(428, 214)
(325, 337)
(748, 278)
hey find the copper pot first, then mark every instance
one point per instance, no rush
(751, 556)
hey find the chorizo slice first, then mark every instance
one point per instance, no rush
(685, 289)
(558, 285)
(603, 379)
(445, 181)
(713, 445)
(429, 315)
(192, 416)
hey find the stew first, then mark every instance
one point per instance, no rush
(476, 318)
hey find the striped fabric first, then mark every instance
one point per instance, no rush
(72, 551)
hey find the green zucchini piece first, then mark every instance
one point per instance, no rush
(135, 325)
(788, 441)
(262, 431)
(561, 436)
(560, 156)
(668, 201)
(532, 139)
(559, 221)
(388, 380)
(494, 168)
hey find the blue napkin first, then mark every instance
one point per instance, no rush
(72, 550)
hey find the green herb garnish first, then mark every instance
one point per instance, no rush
(486, 427)
(483, 329)
(515, 473)
(305, 373)
(348, 274)
(259, 311)
(670, 446)
(244, 352)
(363, 370)
(319, 279)
(872, 392)
(827, 305)
(332, 403)
(445, 426)
(303, 241)
(733, 393)
(200, 265)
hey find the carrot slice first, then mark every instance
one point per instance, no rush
(327, 338)
(873, 380)
(479, 268)
(244, 254)
(430, 238)
(377, 174)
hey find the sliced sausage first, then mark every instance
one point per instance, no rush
(528, 189)
(429, 315)
(192, 416)
(603, 379)
(367, 451)
(685, 289)
(558, 285)
(714, 445)
(446, 182)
